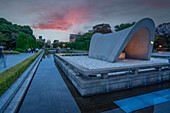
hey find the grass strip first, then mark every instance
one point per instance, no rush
(11, 52)
(9, 76)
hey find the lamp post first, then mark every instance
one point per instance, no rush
(160, 46)
(64, 45)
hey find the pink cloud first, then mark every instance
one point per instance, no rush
(63, 20)
(156, 4)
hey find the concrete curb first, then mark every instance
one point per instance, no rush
(8, 102)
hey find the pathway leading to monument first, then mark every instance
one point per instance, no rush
(13, 59)
(165, 54)
(48, 93)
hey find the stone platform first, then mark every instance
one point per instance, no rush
(91, 76)
(90, 63)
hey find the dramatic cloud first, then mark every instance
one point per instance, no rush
(78, 12)
(63, 20)
(49, 18)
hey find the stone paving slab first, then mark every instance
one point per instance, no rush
(162, 54)
(13, 59)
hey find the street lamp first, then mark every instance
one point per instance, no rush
(160, 46)
(64, 45)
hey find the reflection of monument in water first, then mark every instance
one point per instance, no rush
(49, 55)
(96, 73)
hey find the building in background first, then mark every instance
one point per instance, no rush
(49, 43)
(40, 38)
(91, 31)
(73, 37)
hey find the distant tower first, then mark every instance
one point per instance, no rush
(40, 37)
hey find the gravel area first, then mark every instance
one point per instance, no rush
(90, 63)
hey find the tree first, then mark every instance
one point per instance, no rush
(82, 42)
(123, 26)
(102, 28)
(22, 42)
(162, 36)
(55, 43)
(82, 38)
(11, 32)
(3, 39)
(40, 43)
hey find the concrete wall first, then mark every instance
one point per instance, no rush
(108, 47)
(138, 46)
(88, 86)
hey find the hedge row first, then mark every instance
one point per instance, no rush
(9, 76)
(11, 52)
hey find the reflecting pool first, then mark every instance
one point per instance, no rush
(51, 91)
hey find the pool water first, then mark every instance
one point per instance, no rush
(143, 101)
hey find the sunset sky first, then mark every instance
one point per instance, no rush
(56, 19)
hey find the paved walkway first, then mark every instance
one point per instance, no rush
(165, 54)
(13, 59)
(48, 92)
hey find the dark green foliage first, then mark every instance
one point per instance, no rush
(56, 43)
(40, 44)
(11, 32)
(163, 41)
(82, 42)
(47, 46)
(3, 39)
(123, 26)
(82, 38)
(24, 42)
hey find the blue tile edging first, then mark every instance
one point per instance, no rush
(142, 101)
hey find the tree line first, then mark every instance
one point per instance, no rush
(17, 37)
(23, 41)
(81, 43)
(9, 33)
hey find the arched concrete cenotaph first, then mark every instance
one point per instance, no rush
(136, 41)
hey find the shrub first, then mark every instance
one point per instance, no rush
(20, 50)
(11, 52)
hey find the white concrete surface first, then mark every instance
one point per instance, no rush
(136, 41)
(91, 63)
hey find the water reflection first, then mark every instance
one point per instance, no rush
(47, 55)
(104, 102)
(144, 101)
